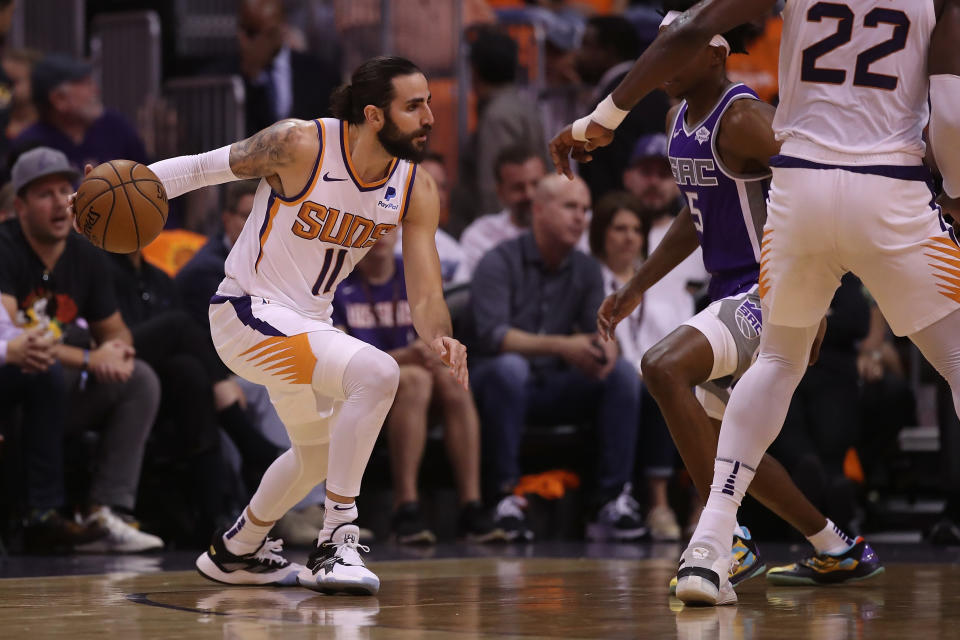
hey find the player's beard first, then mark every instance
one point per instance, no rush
(401, 145)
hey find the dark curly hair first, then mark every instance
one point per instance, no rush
(370, 83)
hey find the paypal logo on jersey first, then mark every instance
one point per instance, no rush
(387, 197)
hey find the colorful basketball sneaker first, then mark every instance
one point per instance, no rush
(859, 562)
(747, 562)
(335, 566)
(264, 566)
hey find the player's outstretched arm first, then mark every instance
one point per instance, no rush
(944, 69)
(421, 264)
(678, 243)
(671, 50)
(283, 153)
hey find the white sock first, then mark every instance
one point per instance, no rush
(244, 536)
(719, 518)
(831, 539)
(336, 514)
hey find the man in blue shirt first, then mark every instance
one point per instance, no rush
(538, 358)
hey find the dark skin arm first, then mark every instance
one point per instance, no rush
(671, 50)
(679, 242)
(745, 140)
(745, 143)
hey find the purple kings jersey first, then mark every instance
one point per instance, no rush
(729, 209)
(378, 314)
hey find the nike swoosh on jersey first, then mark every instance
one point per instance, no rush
(327, 178)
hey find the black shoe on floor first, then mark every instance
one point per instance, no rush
(476, 525)
(264, 566)
(409, 527)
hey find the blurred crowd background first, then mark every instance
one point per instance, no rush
(564, 445)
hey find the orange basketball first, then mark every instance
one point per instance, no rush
(121, 206)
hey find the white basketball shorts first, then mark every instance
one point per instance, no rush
(299, 360)
(879, 221)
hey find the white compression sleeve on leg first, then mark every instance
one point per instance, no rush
(945, 129)
(186, 173)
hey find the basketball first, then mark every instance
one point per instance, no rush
(121, 206)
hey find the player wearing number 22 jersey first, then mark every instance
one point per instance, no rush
(860, 80)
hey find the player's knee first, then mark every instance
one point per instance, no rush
(378, 372)
(661, 370)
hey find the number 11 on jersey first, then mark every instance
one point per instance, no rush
(327, 260)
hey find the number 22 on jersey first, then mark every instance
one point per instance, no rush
(845, 17)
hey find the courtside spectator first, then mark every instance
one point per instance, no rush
(54, 278)
(538, 358)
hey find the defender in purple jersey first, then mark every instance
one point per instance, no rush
(720, 142)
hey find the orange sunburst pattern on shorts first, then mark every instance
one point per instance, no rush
(946, 255)
(289, 358)
(763, 285)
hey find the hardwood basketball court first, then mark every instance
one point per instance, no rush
(542, 591)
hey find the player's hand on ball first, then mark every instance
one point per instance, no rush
(454, 355)
(73, 197)
(112, 361)
(563, 146)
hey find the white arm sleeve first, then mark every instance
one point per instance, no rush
(945, 129)
(186, 173)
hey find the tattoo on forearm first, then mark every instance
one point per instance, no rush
(264, 152)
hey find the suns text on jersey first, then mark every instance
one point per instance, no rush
(315, 221)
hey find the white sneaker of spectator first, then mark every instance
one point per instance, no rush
(121, 537)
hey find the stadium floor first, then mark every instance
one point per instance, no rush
(548, 590)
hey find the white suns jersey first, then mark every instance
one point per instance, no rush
(853, 75)
(294, 251)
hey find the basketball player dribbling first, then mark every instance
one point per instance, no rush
(849, 193)
(330, 189)
(720, 144)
